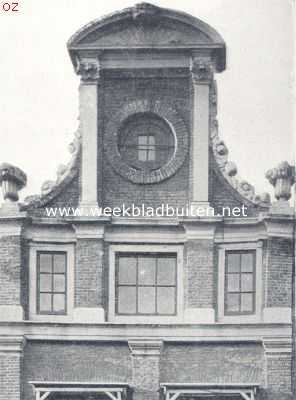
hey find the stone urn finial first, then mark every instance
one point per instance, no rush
(282, 178)
(12, 180)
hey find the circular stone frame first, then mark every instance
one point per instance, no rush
(178, 128)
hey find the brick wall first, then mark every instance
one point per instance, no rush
(10, 270)
(199, 282)
(279, 272)
(10, 376)
(89, 287)
(173, 92)
(214, 363)
(279, 373)
(75, 362)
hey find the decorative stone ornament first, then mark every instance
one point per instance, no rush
(144, 10)
(12, 179)
(88, 69)
(201, 70)
(282, 178)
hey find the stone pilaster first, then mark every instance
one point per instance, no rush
(11, 356)
(202, 75)
(89, 70)
(146, 368)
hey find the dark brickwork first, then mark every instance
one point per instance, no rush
(10, 270)
(118, 92)
(212, 363)
(89, 273)
(199, 264)
(279, 272)
(75, 362)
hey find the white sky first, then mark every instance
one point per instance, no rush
(39, 90)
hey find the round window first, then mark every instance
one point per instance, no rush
(146, 142)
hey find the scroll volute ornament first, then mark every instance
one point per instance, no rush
(12, 179)
(282, 178)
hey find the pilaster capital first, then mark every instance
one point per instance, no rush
(89, 231)
(12, 344)
(145, 347)
(275, 346)
(88, 69)
(202, 70)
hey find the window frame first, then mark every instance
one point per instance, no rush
(240, 273)
(245, 317)
(40, 247)
(146, 249)
(137, 285)
(52, 293)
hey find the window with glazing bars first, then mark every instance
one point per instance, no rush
(146, 283)
(146, 148)
(240, 282)
(51, 282)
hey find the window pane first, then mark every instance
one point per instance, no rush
(142, 155)
(151, 155)
(60, 263)
(166, 271)
(45, 282)
(142, 140)
(45, 302)
(247, 262)
(146, 300)
(151, 140)
(247, 282)
(166, 300)
(58, 302)
(59, 283)
(127, 273)
(247, 302)
(233, 282)
(146, 270)
(233, 262)
(232, 302)
(126, 300)
(45, 262)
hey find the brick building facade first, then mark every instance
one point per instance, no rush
(118, 307)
